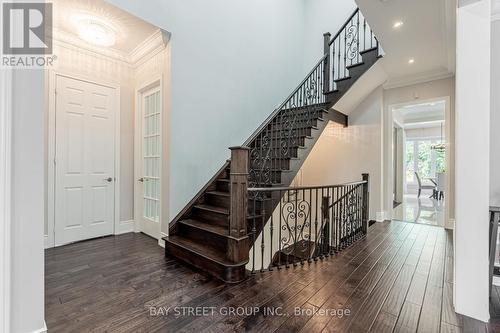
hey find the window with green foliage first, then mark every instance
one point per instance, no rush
(420, 157)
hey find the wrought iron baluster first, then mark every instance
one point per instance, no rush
(271, 254)
(316, 226)
(254, 232)
(262, 244)
(309, 256)
(357, 40)
(280, 228)
(364, 34)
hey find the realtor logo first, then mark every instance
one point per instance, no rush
(27, 28)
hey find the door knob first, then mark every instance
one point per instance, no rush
(109, 179)
(141, 180)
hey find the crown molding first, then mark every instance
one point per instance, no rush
(155, 43)
(158, 40)
(417, 79)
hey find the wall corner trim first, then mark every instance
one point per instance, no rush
(41, 330)
(5, 197)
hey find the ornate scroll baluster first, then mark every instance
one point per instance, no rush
(312, 222)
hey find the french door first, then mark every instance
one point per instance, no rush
(149, 183)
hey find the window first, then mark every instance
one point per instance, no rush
(422, 159)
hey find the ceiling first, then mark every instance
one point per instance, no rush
(427, 35)
(130, 31)
(427, 114)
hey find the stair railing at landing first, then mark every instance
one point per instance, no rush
(308, 223)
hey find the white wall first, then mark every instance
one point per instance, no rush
(472, 159)
(322, 16)
(413, 93)
(233, 62)
(495, 115)
(342, 154)
(27, 279)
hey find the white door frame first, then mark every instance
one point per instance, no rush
(156, 81)
(51, 151)
(5, 196)
(448, 224)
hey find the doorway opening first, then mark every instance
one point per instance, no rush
(420, 175)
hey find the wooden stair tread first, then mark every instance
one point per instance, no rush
(214, 209)
(202, 250)
(220, 210)
(206, 226)
(221, 193)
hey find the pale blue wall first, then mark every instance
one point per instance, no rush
(233, 62)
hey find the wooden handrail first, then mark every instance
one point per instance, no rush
(344, 25)
(291, 188)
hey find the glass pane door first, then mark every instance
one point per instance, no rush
(151, 156)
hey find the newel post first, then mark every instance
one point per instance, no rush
(366, 203)
(238, 249)
(326, 69)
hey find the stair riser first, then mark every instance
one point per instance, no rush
(291, 142)
(305, 113)
(277, 152)
(218, 200)
(260, 177)
(299, 123)
(303, 131)
(225, 202)
(217, 218)
(202, 236)
(276, 163)
(222, 186)
(227, 274)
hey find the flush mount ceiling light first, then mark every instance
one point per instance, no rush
(397, 24)
(95, 30)
(411, 61)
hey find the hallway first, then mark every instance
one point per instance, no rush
(396, 279)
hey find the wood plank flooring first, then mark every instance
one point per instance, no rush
(397, 279)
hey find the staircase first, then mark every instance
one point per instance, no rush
(212, 231)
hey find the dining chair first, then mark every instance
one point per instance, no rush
(440, 185)
(424, 186)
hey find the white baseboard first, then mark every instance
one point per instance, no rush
(125, 227)
(46, 241)
(381, 217)
(41, 330)
(161, 242)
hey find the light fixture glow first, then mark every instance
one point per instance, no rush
(397, 24)
(95, 31)
(411, 61)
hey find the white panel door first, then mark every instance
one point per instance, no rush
(85, 153)
(150, 181)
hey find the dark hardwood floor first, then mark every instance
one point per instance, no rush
(397, 279)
